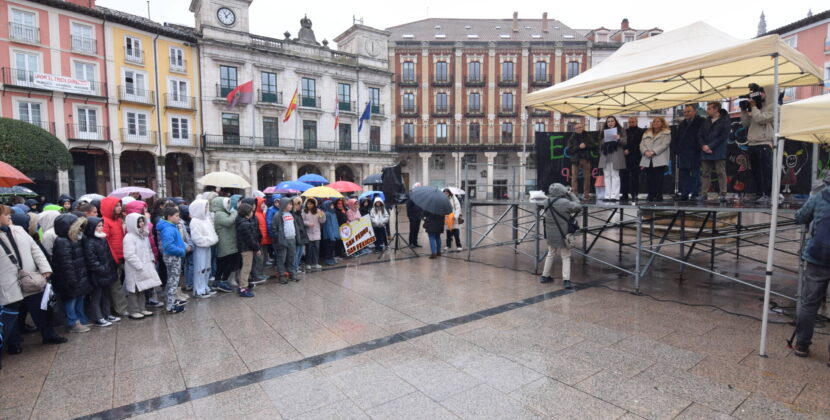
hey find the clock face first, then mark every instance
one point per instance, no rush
(226, 16)
(372, 47)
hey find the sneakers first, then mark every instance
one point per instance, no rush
(137, 315)
(801, 350)
(78, 328)
(284, 278)
(459, 249)
(545, 279)
(187, 288)
(113, 319)
(224, 287)
(701, 197)
(257, 280)
(179, 302)
(433, 256)
(176, 309)
(205, 296)
(148, 313)
(103, 323)
(764, 199)
(245, 293)
(318, 267)
(154, 303)
(567, 284)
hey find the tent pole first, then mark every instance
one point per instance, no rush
(777, 149)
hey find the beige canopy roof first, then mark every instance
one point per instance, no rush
(690, 64)
(807, 120)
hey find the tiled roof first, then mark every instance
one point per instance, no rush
(483, 30)
(818, 17)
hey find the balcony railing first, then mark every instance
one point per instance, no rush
(506, 138)
(24, 33)
(507, 111)
(443, 80)
(45, 125)
(222, 91)
(454, 142)
(269, 97)
(408, 110)
(347, 106)
(475, 80)
(187, 141)
(172, 100)
(444, 110)
(27, 79)
(408, 80)
(179, 67)
(378, 109)
(539, 112)
(540, 80)
(84, 44)
(136, 95)
(87, 132)
(309, 101)
(508, 80)
(474, 111)
(136, 136)
(213, 141)
(134, 56)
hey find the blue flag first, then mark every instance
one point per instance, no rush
(365, 116)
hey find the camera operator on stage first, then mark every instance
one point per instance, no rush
(758, 116)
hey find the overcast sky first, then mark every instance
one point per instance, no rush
(272, 17)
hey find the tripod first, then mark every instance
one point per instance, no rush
(397, 237)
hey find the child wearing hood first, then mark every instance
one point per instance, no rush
(365, 206)
(139, 266)
(352, 211)
(247, 237)
(173, 250)
(329, 235)
(112, 213)
(102, 271)
(284, 236)
(313, 219)
(204, 238)
(302, 235)
(71, 279)
(379, 217)
(48, 236)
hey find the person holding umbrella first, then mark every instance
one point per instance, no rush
(434, 205)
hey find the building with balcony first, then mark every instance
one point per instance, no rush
(459, 95)
(253, 140)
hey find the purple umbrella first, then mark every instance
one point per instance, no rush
(125, 191)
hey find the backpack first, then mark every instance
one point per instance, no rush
(819, 247)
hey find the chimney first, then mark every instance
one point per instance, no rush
(624, 24)
(515, 21)
(545, 22)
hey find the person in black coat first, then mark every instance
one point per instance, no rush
(630, 176)
(434, 225)
(713, 139)
(102, 271)
(71, 279)
(415, 215)
(247, 242)
(688, 154)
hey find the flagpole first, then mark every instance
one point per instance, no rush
(296, 123)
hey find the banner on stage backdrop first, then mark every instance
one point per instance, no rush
(357, 234)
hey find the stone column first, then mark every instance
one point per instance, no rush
(331, 176)
(293, 171)
(491, 157)
(63, 182)
(425, 167)
(161, 178)
(116, 175)
(557, 66)
(456, 164)
(253, 175)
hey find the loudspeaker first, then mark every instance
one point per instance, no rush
(392, 186)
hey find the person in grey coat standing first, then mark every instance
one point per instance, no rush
(561, 205)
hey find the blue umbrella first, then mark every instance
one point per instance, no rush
(313, 179)
(372, 194)
(294, 185)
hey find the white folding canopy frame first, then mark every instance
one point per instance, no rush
(691, 64)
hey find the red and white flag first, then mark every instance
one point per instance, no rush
(242, 94)
(336, 112)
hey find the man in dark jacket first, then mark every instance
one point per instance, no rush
(581, 145)
(688, 154)
(714, 135)
(630, 176)
(415, 215)
(283, 231)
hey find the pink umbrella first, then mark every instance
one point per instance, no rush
(125, 191)
(270, 190)
(345, 186)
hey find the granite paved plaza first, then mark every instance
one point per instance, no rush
(590, 353)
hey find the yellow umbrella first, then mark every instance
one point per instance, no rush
(322, 192)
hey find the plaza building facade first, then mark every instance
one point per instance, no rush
(460, 91)
(253, 139)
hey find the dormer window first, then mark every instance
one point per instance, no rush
(628, 37)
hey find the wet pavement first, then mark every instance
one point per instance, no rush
(397, 336)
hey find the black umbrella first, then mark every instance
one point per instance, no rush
(374, 179)
(430, 199)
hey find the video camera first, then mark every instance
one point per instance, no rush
(754, 94)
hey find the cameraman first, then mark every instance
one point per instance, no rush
(759, 139)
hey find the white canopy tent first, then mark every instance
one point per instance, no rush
(691, 64)
(807, 120)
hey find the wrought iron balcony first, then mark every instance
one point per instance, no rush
(24, 33)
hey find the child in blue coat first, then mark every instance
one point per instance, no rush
(173, 250)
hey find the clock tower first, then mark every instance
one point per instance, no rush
(366, 41)
(223, 14)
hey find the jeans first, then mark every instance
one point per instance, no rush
(213, 257)
(380, 238)
(75, 311)
(201, 270)
(245, 273)
(655, 176)
(313, 256)
(135, 302)
(285, 258)
(298, 257)
(454, 233)
(8, 324)
(585, 165)
(706, 168)
(434, 243)
(174, 274)
(258, 266)
(760, 163)
(99, 302)
(689, 181)
(813, 294)
(565, 253)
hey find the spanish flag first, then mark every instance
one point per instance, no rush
(291, 106)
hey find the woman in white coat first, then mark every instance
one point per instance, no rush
(139, 268)
(452, 222)
(655, 149)
(203, 235)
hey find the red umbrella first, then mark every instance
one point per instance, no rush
(345, 186)
(9, 176)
